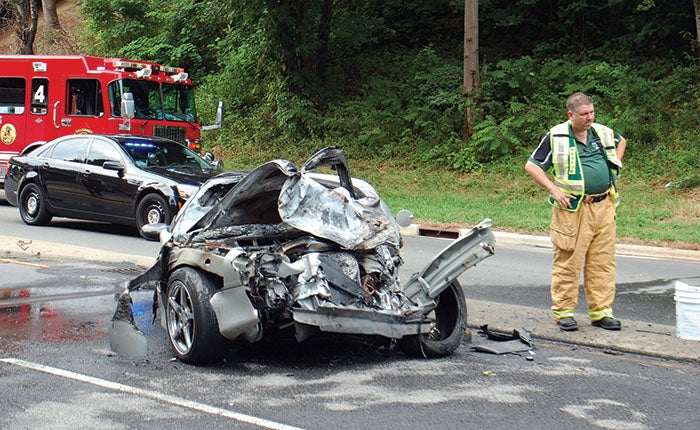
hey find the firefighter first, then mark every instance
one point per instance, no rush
(585, 158)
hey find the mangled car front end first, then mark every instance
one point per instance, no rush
(287, 249)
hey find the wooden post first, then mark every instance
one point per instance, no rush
(471, 63)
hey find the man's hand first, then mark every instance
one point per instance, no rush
(561, 198)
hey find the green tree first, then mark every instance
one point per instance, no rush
(696, 7)
(385, 77)
(51, 14)
(179, 32)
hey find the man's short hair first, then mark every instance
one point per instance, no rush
(577, 99)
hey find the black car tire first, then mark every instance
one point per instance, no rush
(32, 205)
(152, 209)
(449, 325)
(190, 320)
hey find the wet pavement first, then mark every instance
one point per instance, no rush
(55, 298)
(40, 279)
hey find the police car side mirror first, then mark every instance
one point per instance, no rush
(117, 166)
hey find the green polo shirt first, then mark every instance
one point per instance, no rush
(596, 174)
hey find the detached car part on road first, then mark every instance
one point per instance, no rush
(281, 249)
(122, 179)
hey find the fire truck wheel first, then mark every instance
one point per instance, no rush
(32, 206)
(152, 209)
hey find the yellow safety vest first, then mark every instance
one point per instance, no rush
(568, 174)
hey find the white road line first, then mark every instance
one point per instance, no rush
(177, 401)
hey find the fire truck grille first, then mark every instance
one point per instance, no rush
(174, 133)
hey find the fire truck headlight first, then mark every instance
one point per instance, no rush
(185, 191)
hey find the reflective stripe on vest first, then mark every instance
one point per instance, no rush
(568, 174)
(607, 139)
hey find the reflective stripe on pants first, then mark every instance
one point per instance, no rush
(584, 241)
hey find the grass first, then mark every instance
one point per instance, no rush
(648, 214)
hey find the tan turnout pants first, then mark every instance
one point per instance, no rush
(584, 241)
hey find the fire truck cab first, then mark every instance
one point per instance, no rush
(44, 97)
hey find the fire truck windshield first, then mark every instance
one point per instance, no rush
(176, 103)
(146, 98)
(179, 102)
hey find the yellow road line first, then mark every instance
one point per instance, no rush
(44, 266)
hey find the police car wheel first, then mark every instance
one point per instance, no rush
(152, 209)
(32, 205)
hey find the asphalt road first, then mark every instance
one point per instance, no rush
(56, 370)
(517, 274)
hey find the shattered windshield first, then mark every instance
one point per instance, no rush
(203, 201)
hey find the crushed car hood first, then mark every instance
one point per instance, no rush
(334, 214)
(334, 207)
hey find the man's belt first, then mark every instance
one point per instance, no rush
(595, 198)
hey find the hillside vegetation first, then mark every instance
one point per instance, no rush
(383, 79)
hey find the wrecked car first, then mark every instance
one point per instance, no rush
(284, 250)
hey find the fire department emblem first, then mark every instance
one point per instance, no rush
(8, 134)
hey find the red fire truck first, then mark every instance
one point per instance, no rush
(44, 97)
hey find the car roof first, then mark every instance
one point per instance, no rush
(123, 139)
(130, 138)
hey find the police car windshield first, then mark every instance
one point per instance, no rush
(164, 154)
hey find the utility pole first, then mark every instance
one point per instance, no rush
(471, 63)
(696, 6)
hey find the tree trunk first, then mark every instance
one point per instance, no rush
(324, 32)
(696, 4)
(50, 14)
(304, 58)
(471, 63)
(27, 20)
